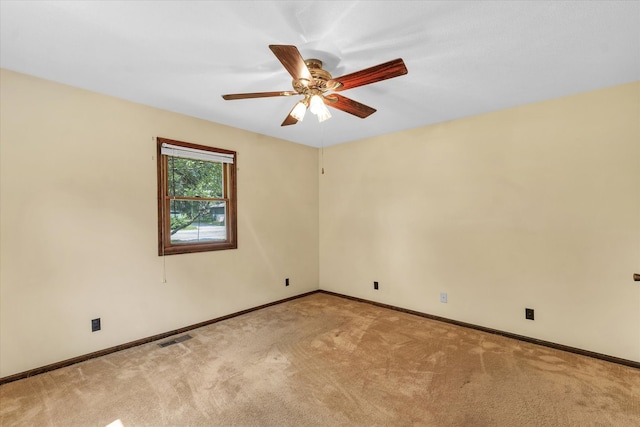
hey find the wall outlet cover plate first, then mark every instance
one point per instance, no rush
(528, 313)
(95, 325)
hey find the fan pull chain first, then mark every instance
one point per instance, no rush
(322, 149)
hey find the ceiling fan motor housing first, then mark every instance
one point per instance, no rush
(318, 84)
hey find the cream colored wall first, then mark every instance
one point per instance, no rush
(536, 206)
(79, 224)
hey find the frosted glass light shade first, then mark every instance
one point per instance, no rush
(324, 114)
(298, 111)
(317, 107)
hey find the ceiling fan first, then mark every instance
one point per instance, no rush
(317, 85)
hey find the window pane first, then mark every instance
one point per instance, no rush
(195, 221)
(194, 178)
(196, 200)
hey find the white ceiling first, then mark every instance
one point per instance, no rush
(464, 57)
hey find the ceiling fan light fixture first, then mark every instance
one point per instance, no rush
(324, 114)
(316, 104)
(298, 111)
(317, 107)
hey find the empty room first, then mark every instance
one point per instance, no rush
(319, 213)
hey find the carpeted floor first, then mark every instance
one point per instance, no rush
(322, 360)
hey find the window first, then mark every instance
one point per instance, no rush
(196, 198)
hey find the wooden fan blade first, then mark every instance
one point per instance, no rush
(291, 59)
(377, 73)
(290, 120)
(258, 95)
(349, 105)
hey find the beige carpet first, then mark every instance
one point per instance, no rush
(322, 360)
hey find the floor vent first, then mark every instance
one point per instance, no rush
(175, 340)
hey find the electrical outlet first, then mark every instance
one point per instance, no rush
(528, 313)
(375, 285)
(286, 281)
(443, 297)
(95, 324)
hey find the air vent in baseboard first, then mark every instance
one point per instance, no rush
(175, 340)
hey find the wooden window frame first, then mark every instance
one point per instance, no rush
(165, 247)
